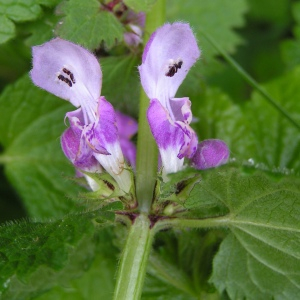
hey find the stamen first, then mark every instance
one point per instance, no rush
(179, 64)
(65, 70)
(68, 72)
(171, 72)
(69, 78)
(72, 77)
(64, 79)
(173, 67)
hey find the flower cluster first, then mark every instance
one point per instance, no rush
(99, 137)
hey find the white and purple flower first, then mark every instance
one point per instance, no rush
(73, 73)
(168, 56)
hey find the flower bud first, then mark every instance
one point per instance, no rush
(210, 153)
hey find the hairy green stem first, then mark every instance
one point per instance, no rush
(250, 80)
(146, 161)
(134, 259)
(132, 268)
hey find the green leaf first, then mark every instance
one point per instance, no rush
(159, 289)
(41, 30)
(98, 282)
(291, 53)
(290, 48)
(180, 264)
(220, 118)
(217, 18)
(85, 23)
(140, 5)
(277, 142)
(16, 11)
(7, 29)
(254, 131)
(36, 256)
(20, 11)
(10, 206)
(177, 188)
(31, 125)
(270, 11)
(49, 3)
(17, 64)
(247, 266)
(260, 259)
(121, 84)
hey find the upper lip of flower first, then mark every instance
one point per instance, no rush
(69, 72)
(169, 54)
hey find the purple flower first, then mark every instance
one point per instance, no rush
(169, 54)
(210, 154)
(73, 73)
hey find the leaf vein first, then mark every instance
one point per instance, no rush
(265, 242)
(264, 225)
(260, 260)
(251, 200)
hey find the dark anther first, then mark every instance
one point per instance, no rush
(65, 70)
(174, 68)
(72, 78)
(64, 79)
(172, 71)
(68, 72)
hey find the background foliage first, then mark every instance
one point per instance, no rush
(69, 250)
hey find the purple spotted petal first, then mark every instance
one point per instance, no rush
(190, 141)
(168, 137)
(75, 147)
(103, 131)
(175, 140)
(106, 131)
(94, 139)
(166, 134)
(67, 71)
(210, 153)
(77, 151)
(168, 56)
(181, 109)
(103, 134)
